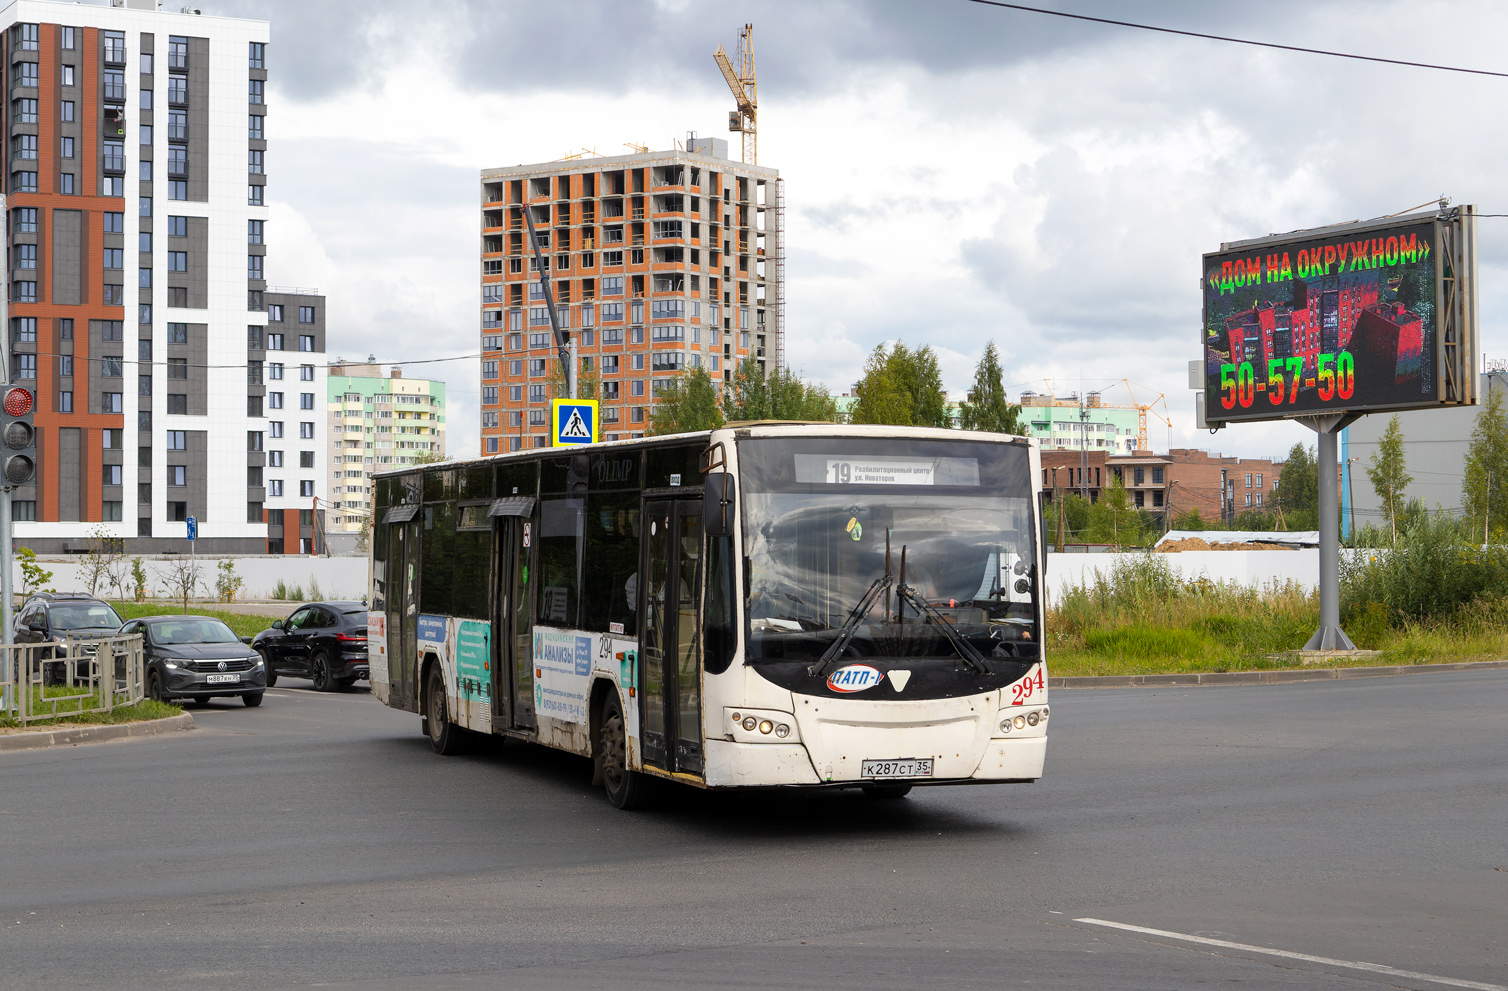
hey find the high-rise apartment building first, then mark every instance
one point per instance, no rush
(662, 261)
(286, 382)
(126, 125)
(378, 421)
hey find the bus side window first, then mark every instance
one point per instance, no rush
(720, 631)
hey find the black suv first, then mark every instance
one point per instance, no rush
(323, 641)
(58, 615)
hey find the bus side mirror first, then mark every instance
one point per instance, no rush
(717, 504)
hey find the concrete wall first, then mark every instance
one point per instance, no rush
(338, 577)
(1247, 567)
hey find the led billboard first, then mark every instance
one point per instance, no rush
(1351, 318)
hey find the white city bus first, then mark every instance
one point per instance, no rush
(760, 605)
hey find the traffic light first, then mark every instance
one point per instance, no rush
(19, 436)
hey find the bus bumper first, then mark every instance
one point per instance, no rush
(754, 765)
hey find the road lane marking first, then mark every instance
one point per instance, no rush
(1375, 968)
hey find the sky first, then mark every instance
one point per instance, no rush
(954, 173)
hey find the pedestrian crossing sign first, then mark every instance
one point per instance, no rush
(575, 421)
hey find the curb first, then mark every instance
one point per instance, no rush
(73, 735)
(1280, 677)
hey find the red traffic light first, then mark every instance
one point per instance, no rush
(18, 402)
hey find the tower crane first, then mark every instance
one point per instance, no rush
(745, 92)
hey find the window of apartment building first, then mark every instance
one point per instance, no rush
(254, 231)
(275, 458)
(1259, 498)
(515, 393)
(23, 182)
(23, 366)
(275, 312)
(1259, 484)
(110, 366)
(306, 430)
(1156, 476)
(177, 368)
(254, 127)
(254, 440)
(1248, 485)
(306, 400)
(23, 330)
(306, 460)
(306, 373)
(274, 486)
(489, 395)
(306, 315)
(177, 440)
(536, 367)
(24, 111)
(65, 402)
(306, 489)
(113, 257)
(27, 37)
(177, 333)
(254, 266)
(274, 400)
(274, 428)
(254, 195)
(111, 475)
(306, 342)
(637, 362)
(538, 393)
(178, 403)
(255, 90)
(489, 369)
(275, 371)
(636, 388)
(25, 219)
(111, 402)
(257, 56)
(177, 91)
(1248, 499)
(274, 342)
(178, 261)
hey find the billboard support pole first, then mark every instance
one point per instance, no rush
(1329, 636)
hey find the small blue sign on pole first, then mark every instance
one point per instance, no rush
(193, 528)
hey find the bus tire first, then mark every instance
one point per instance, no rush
(625, 789)
(444, 736)
(886, 793)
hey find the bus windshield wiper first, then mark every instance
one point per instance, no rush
(851, 624)
(965, 649)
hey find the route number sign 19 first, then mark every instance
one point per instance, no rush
(1344, 319)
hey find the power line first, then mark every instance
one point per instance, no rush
(1237, 41)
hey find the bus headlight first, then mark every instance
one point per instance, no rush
(761, 726)
(782, 730)
(749, 723)
(1031, 718)
(1005, 725)
(1020, 722)
(766, 727)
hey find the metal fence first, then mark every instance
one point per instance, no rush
(72, 677)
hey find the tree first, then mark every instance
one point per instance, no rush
(1298, 483)
(987, 407)
(588, 379)
(751, 395)
(428, 458)
(1189, 519)
(1484, 486)
(34, 577)
(1389, 474)
(923, 379)
(227, 582)
(180, 577)
(690, 403)
(1113, 520)
(100, 564)
(882, 393)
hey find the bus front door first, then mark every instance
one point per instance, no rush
(513, 657)
(403, 614)
(670, 645)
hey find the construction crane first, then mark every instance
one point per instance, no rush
(745, 92)
(1142, 409)
(641, 149)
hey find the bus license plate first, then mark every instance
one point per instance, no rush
(905, 767)
(216, 679)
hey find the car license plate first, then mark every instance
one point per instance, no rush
(218, 679)
(903, 767)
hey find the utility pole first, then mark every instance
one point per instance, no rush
(564, 346)
(1057, 501)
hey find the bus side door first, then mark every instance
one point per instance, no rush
(670, 640)
(513, 623)
(403, 614)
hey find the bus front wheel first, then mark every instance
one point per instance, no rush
(444, 735)
(626, 789)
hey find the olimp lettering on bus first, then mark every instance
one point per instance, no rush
(1318, 260)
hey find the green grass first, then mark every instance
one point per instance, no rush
(244, 624)
(1142, 619)
(144, 710)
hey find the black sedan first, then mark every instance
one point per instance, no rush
(198, 658)
(325, 642)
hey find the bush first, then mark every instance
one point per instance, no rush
(314, 593)
(280, 590)
(1432, 574)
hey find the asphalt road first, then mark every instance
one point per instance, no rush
(317, 841)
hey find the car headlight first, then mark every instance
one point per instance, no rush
(256, 660)
(170, 665)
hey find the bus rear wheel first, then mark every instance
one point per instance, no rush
(444, 736)
(625, 789)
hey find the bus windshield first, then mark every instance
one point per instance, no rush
(825, 518)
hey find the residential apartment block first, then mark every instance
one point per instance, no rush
(662, 261)
(1166, 484)
(132, 125)
(1065, 424)
(378, 421)
(286, 376)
